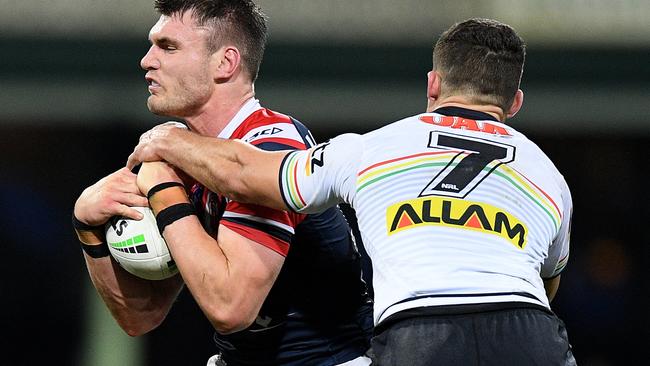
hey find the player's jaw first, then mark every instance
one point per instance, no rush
(178, 97)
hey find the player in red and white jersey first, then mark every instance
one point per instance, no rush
(300, 321)
(267, 130)
(465, 219)
(279, 288)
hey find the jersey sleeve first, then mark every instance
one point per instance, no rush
(558, 254)
(272, 228)
(323, 176)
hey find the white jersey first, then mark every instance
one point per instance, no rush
(454, 208)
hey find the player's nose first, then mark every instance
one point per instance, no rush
(149, 61)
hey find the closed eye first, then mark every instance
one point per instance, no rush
(166, 44)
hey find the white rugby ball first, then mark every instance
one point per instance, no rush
(138, 246)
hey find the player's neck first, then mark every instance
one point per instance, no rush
(457, 101)
(218, 112)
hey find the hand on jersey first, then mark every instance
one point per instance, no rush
(151, 143)
(113, 195)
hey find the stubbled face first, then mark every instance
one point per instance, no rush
(178, 67)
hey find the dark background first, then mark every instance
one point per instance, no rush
(47, 301)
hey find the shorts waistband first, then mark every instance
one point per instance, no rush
(460, 309)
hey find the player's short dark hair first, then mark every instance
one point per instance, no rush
(482, 58)
(238, 21)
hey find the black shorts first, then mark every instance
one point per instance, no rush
(491, 335)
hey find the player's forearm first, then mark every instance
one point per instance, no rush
(233, 168)
(137, 305)
(221, 281)
(217, 281)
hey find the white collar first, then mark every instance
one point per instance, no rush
(246, 110)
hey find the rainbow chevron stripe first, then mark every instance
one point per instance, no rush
(290, 170)
(402, 165)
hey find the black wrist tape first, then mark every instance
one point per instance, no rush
(159, 187)
(96, 251)
(173, 213)
(78, 225)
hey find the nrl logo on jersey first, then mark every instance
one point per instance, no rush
(456, 213)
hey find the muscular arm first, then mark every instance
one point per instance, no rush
(137, 305)
(229, 277)
(233, 168)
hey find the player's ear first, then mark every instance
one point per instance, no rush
(226, 61)
(433, 89)
(516, 104)
(433, 85)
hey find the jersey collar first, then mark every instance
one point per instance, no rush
(246, 110)
(465, 113)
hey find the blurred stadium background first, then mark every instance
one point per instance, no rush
(72, 99)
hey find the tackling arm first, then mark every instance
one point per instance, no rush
(233, 168)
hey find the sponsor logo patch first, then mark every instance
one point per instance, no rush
(465, 124)
(264, 132)
(456, 213)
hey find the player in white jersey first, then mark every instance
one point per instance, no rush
(475, 202)
(465, 219)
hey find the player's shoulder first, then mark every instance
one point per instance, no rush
(346, 138)
(271, 130)
(534, 162)
(347, 145)
(262, 122)
(402, 126)
(533, 152)
(341, 150)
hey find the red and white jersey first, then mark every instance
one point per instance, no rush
(453, 206)
(321, 267)
(267, 130)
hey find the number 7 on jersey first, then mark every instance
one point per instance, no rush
(475, 160)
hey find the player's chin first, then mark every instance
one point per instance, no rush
(156, 107)
(166, 107)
